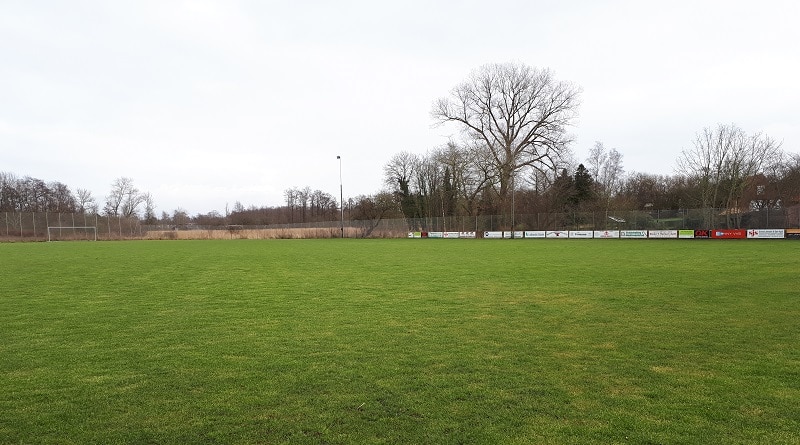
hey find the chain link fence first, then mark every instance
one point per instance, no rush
(16, 226)
(617, 220)
(23, 226)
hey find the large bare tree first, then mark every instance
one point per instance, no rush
(721, 162)
(518, 114)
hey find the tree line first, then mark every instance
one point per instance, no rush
(512, 156)
(452, 180)
(33, 195)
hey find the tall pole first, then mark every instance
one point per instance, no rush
(341, 193)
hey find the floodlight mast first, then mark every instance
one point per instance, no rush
(341, 194)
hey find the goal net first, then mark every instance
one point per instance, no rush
(71, 233)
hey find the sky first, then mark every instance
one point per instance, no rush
(208, 103)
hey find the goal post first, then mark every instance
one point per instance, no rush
(71, 233)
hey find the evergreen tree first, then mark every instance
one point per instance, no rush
(583, 186)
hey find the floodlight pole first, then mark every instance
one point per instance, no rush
(341, 193)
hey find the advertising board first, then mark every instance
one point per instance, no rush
(604, 234)
(729, 233)
(766, 233)
(662, 234)
(633, 234)
(535, 234)
(613, 234)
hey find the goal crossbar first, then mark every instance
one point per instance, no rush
(51, 228)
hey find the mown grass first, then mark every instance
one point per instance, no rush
(400, 341)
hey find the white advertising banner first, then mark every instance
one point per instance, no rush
(435, 234)
(450, 235)
(662, 234)
(556, 234)
(580, 233)
(466, 234)
(766, 233)
(606, 233)
(515, 234)
(633, 234)
(535, 234)
(493, 234)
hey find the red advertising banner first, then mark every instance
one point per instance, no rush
(729, 233)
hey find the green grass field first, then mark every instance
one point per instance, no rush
(400, 341)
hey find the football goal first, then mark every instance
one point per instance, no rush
(71, 233)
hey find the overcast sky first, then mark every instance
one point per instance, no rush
(205, 103)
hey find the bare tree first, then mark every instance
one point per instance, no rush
(303, 196)
(721, 162)
(124, 198)
(789, 180)
(398, 171)
(323, 205)
(9, 195)
(370, 210)
(149, 208)
(34, 195)
(133, 199)
(85, 201)
(180, 217)
(61, 198)
(750, 159)
(291, 201)
(469, 173)
(606, 167)
(518, 114)
(398, 175)
(428, 181)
